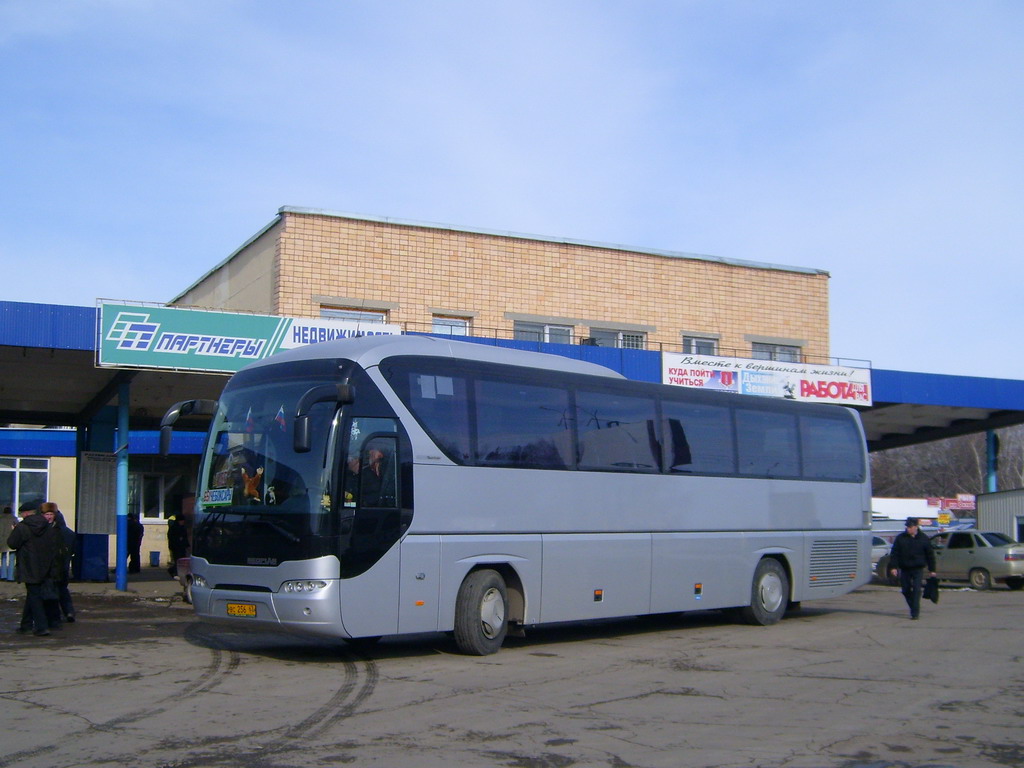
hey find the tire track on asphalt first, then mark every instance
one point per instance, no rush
(220, 665)
(340, 708)
(222, 662)
(360, 677)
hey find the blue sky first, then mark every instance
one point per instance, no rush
(143, 141)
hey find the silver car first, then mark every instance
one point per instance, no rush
(980, 558)
(879, 549)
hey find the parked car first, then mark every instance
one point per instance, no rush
(880, 558)
(979, 558)
(879, 549)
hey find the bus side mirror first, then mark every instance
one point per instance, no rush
(324, 393)
(175, 412)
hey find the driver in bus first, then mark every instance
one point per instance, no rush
(367, 479)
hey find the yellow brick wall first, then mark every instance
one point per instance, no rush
(419, 268)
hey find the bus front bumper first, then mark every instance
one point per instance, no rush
(311, 612)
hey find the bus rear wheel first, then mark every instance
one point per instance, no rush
(481, 609)
(769, 594)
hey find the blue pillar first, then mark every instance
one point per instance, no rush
(121, 573)
(992, 461)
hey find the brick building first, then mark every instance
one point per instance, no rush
(423, 277)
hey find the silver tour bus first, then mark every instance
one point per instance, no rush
(398, 484)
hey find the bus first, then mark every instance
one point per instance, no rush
(389, 485)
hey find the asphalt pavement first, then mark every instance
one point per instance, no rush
(848, 682)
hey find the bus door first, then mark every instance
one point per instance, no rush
(371, 525)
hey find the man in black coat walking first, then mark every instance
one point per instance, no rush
(37, 542)
(911, 552)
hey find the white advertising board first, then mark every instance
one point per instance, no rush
(769, 378)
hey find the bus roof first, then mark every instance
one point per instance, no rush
(368, 351)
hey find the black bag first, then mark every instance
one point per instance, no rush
(49, 590)
(931, 589)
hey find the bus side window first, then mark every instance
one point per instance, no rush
(699, 438)
(522, 425)
(768, 443)
(617, 432)
(831, 449)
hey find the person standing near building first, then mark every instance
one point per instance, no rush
(69, 542)
(177, 541)
(7, 523)
(37, 541)
(136, 530)
(911, 553)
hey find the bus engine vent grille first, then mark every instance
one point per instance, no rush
(833, 563)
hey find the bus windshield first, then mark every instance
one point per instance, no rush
(261, 503)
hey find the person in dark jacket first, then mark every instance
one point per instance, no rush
(911, 553)
(136, 530)
(177, 541)
(37, 542)
(69, 542)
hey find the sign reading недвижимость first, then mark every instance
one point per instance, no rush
(793, 381)
(143, 336)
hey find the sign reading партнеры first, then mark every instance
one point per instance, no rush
(793, 381)
(174, 338)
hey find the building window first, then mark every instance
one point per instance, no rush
(23, 481)
(553, 334)
(783, 353)
(603, 337)
(358, 315)
(450, 326)
(697, 345)
(154, 496)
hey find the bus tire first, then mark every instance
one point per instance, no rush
(769, 594)
(979, 578)
(481, 611)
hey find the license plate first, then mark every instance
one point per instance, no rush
(241, 609)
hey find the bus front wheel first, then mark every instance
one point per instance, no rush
(480, 613)
(769, 594)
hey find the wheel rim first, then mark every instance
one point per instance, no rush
(492, 613)
(769, 592)
(979, 579)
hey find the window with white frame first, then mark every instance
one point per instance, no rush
(699, 345)
(23, 480)
(554, 334)
(783, 353)
(452, 326)
(605, 337)
(152, 495)
(358, 315)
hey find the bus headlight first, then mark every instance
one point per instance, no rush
(303, 586)
(198, 581)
